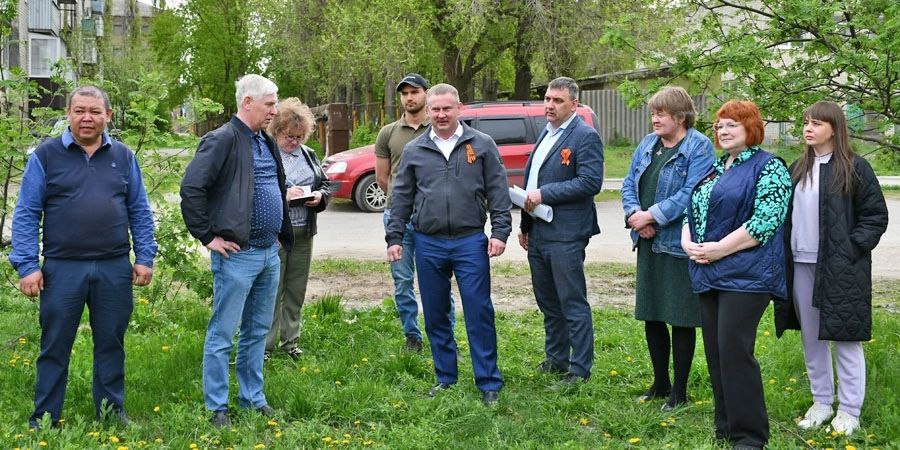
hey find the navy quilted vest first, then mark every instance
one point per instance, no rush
(760, 269)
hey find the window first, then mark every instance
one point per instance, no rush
(504, 131)
(43, 52)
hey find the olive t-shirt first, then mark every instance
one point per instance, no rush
(390, 142)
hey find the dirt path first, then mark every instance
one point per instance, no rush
(344, 232)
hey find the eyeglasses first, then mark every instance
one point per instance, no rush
(293, 138)
(727, 126)
(659, 114)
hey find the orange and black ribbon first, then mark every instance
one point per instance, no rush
(565, 153)
(470, 154)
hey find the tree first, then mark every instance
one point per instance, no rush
(788, 54)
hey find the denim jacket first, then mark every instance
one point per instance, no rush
(677, 179)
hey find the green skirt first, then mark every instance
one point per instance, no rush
(663, 292)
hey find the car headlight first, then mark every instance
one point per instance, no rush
(338, 167)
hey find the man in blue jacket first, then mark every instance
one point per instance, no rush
(89, 191)
(565, 171)
(452, 177)
(233, 201)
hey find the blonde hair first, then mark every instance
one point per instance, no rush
(292, 115)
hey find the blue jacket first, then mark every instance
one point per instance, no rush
(759, 269)
(88, 206)
(677, 179)
(568, 188)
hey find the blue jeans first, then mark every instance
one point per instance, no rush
(244, 288)
(404, 272)
(104, 285)
(467, 259)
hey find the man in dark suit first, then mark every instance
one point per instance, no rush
(565, 171)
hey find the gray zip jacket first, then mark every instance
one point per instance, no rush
(450, 198)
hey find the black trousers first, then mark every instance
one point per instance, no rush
(730, 320)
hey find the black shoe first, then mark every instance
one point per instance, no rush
(570, 381)
(267, 411)
(548, 367)
(294, 353)
(490, 398)
(672, 402)
(413, 344)
(652, 393)
(745, 447)
(220, 419)
(122, 417)
(437, 388)
(267, 356)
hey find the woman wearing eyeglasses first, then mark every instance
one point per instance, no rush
(734, 239)
(308, 192)
(666, 165)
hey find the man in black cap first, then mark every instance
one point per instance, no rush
(388, 148)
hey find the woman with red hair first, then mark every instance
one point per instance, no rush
(733, 236)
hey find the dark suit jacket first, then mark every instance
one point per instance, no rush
(568, 188)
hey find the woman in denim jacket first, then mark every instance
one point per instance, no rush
(667, 164)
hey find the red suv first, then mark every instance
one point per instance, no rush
(514, 126)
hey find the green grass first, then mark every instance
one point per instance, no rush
(354, 387)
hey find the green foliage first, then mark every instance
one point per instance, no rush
(788, 54)
(355, 387)
(363, 134)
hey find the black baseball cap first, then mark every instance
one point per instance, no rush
(414, 80)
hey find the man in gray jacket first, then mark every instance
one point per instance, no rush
(452, 177)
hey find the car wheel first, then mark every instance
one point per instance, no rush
(368, 196)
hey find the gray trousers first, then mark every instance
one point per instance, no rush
(851, 364)
(291, 292)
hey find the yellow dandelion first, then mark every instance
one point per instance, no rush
(634, 440)
(193, 445)
(870, 436)
(347, 436)
(849, 447)
(772, 381)
(836, 433)
(607, 435)
(365, 360)
(628, 358)
(337, 382)
(671, 420)
(166, 348)
(216, 442)
(141, 443)
(368, 443)
(355, 366)
(22, 341)
(114, 439)
(272, 423)
(259, 446)
(327, 439)
(584, 421)
(315, 316)
(810, 442)
(766, 333)
(158, 440)
(664, 424)
(345, 441)
(19, 436)
(122, 447)
(156, 409)
(278, 435)
(355, 422)
(614, 373)
(42, 443)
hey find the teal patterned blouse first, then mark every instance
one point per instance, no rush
(773, 193)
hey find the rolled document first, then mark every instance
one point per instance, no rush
(541, 211)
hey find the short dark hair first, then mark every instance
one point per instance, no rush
(89, 91)
(567, 84)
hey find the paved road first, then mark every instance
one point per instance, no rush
(346, 232)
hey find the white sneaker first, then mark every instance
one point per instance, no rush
(815, 416)
(845, 423)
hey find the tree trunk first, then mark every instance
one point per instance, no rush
(389, 105)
